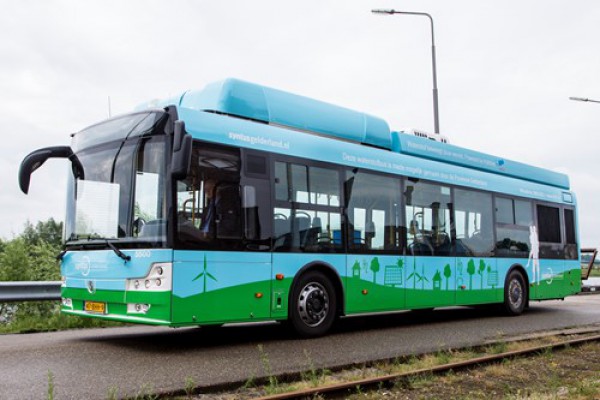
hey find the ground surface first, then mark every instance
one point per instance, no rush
(92, 363)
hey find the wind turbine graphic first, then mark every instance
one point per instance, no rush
(205, 274)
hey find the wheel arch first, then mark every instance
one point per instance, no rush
(331, 274)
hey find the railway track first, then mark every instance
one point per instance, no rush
(345, 388)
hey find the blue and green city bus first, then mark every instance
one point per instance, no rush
(241, 203)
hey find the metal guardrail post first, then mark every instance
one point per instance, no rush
(29, 291)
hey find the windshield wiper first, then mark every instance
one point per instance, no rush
(117, 251)
(61, 255)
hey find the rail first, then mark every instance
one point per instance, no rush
(29, 291)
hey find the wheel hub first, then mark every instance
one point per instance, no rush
(313, 304)
(515, 293)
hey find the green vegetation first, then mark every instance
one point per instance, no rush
(31, 256)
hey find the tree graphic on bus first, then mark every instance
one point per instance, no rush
(375, 268)
(447, 274)
(481, 270)
(471, 272)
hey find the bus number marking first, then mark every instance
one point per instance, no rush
(143, 253)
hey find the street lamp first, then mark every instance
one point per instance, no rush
(583, 99)
(436, 118)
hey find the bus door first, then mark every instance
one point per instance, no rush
(431, 270)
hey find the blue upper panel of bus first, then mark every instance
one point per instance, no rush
(259, 103)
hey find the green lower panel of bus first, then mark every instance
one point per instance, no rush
(364, 296)
(137, 307)
(248, 302)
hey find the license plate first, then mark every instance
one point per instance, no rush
(95, 307)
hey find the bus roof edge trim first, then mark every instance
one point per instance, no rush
(424, 148)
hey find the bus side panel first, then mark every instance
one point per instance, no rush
(375, 283)
(480, 280)
(220, 287)
(555, 279)
(430, 282)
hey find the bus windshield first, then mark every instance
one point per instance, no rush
(123, 195)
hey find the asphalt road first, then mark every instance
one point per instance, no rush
(88, 363)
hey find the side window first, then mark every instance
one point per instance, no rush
(514, 217)
(373, 210)
(473, 222)
(209, 209)
(549, 232)
(306, 214)
(570, 234)
(548, 224)
(428, 218)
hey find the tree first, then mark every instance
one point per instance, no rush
(375, 268)
(15, 261)
(471, 272)
(49, 231)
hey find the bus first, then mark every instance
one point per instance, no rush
(241, 203)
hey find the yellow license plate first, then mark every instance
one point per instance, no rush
(95, 307)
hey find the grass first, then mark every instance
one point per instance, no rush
(50, 385)
(568, 373)
(273, 386)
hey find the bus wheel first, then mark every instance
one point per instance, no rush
(515, 294)
(313, 305)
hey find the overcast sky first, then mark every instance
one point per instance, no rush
(505, 72)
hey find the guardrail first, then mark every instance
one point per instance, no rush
(29, 291)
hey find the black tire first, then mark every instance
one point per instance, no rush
(313, 305)
(515, 294)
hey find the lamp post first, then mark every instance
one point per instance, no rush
(436, 117)
(583, 99)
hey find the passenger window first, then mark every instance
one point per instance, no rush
(428, 218)
(373, 212)
(514, 217)
(473, 222)
(548, 224)
(570, 233)
(549, 232)
(306, 215)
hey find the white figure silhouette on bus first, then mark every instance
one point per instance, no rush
(534, 254)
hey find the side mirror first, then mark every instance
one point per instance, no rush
(37, 158)
(182, 151)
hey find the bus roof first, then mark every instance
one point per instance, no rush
(254, 102)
